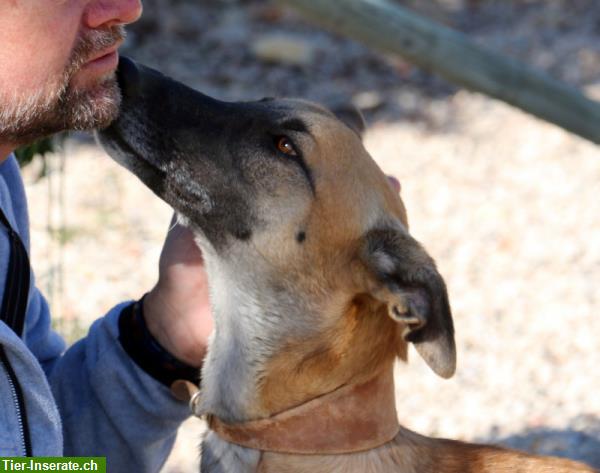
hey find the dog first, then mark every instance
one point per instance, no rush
(316, 284)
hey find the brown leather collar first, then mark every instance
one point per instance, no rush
(350, 419)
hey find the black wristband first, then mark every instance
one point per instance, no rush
(147, 353)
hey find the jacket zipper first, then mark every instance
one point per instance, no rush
(19, 403)
(13, 311)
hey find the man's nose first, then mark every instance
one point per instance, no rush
(103, 13)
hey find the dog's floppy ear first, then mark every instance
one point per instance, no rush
(403, 276)
(350, 115)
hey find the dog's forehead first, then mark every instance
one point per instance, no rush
(301, 114)
(286, 106)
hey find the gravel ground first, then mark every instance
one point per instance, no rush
(508, 206)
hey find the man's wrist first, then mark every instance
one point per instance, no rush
(146, 351)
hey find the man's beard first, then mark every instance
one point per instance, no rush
(59, 106)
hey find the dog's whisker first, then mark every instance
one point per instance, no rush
(175, 223)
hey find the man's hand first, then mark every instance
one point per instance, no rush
(177, 309)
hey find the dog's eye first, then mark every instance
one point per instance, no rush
(285, 146)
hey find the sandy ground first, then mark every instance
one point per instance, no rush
(506, 204)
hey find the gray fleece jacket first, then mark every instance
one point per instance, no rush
(87, 400)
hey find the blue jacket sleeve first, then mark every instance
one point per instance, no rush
(110, 407)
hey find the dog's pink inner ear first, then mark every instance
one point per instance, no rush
(410, 308)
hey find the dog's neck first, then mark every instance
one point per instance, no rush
(251, 320)
(353, 418)
(254, 369)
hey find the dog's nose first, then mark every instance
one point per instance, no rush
(128, 76)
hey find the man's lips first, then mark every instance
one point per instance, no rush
(105, 60)
(105, 51)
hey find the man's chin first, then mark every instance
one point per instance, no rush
(93, 107)
(88, 108)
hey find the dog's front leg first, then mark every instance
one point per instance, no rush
(219, 456)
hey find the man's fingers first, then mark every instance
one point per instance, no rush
(180, 247)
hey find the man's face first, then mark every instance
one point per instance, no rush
(57, 63)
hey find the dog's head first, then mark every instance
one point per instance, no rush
(295, 218)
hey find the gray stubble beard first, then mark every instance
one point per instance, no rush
(59, 106)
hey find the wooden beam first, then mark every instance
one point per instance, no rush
(451, 54)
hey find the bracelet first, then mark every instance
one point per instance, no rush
(148, 354)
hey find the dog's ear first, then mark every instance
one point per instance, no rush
(350, 115)
(403, 276)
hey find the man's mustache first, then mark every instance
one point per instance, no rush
(91, 43)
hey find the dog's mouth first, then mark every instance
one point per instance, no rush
(123, 152)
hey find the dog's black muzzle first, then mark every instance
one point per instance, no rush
(188, 148)
(161, 118)
(128, 75)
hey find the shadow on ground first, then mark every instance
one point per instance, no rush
(580, 441)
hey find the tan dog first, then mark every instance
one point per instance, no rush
(316, 285)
